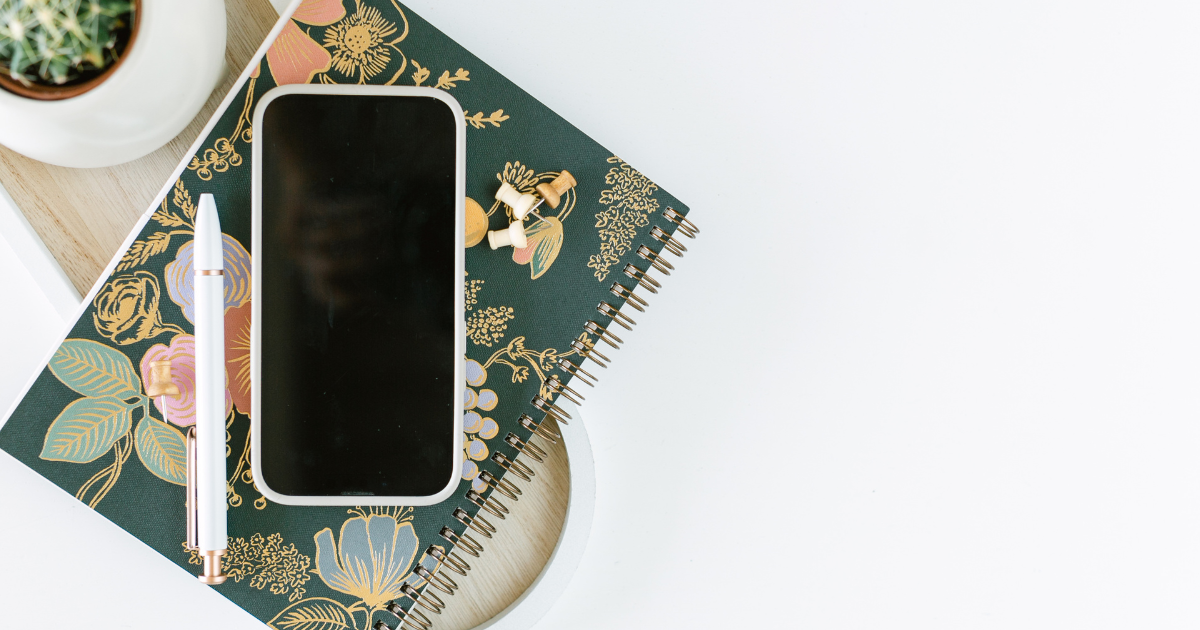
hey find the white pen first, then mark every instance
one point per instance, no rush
(209, 455)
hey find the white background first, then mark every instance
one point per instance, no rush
(931, 364)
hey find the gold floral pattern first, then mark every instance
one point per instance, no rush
(486, 326)
(143, 250)
(223, 153)
(543, 362)
(127, 309)
(267, 562)
(360, 42)
(630, 202)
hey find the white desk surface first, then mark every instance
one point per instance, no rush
(932, 362)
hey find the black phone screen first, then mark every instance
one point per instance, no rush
(357, 265)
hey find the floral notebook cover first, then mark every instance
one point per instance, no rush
(87, 425)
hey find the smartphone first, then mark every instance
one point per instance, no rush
(357, 336)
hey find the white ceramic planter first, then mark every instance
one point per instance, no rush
(175, 62)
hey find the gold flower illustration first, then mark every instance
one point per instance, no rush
(359, 43)
(127, 309)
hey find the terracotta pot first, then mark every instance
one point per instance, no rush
(43, 92)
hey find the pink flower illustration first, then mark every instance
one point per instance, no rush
(180, 410)
(294, 57)
(237, 355)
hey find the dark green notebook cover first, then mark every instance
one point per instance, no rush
(87, 425)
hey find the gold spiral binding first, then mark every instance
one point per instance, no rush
(627, 294)
(654, 259)
(586, 350)
(513, 466)
(648, 283)
(420, 625)
(440, 582)
(590, 352)
(537, 428)
(611, 312)
(427, 600)
(550, 409)
(574, 370)
(500, 485)
(491, 504)
(477, 522)
(463, 540)
(687, 228)
(450, 559)
(557, 387)
(526, 448)
(603, 334)
(414, 616)
(669, 242)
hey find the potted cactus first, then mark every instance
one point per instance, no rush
(56, 49)
(88, 83)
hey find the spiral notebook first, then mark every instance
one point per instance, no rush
(540, 321)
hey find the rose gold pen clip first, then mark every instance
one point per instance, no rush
(160, 386)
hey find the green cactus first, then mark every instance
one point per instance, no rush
(53, 42)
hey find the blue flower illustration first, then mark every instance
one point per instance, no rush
(370, 560)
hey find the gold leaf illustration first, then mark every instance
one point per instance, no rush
(314, 613)
(446, 81)
(420, 75)
(162, 450)
(85, 430)
(478, 120)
